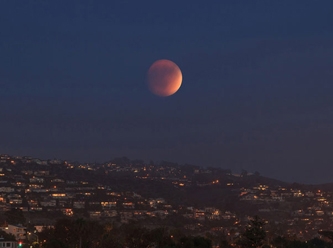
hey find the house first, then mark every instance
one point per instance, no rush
(42, 173)
(249, 197)
(277, 198)
(299, 212)
(188, 215)
(95, 214)
(15, 201)
(109, 213)
(94, 203)
(160, 201)
(67, 211)
(228, 215)
(214, 214)
(128, 205)
(40, 228)
(108, 204)
(4, 207)
(140, 213)
(35, 186)
(125, 216)
(36, 180)
(18, 231)
(50, 203)
(59, 195)
(62, 203)
(286, 194)
(57, 180)
(309, 194)
(7, 189)
(8, 244)
(199, 214)
(160, 213)
(35, 208)
(79, 204)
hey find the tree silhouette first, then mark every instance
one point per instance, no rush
(78, 233)
(15, 216)
(161, 237)
(327, 234)
(195, 242)
(254, 234)
(134, 236)
(7, 236)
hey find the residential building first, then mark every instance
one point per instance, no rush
(18, 231)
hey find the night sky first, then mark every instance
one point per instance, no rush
(256, 94)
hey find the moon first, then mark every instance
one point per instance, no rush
(164, 78)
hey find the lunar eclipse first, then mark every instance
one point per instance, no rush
(164, 78)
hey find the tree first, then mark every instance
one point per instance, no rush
(72, 233)
(7, 236)
(197, 242)
(135, 236)
(327, 234)
(15, 216)
(244, 173)
(80, 229)
(318, 243)
(112, 237)
(254, 234)
(161, 237)
(280, 242)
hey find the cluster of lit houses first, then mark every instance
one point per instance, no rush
(38, 190)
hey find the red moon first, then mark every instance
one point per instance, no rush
(164, 78)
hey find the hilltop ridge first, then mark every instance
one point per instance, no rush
(193, 197)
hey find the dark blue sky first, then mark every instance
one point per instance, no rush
(256, 93)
